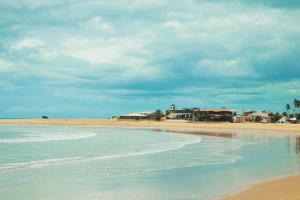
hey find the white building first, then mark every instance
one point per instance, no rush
(293, 120)
(133, 116)
(282, 120)
(263, 115)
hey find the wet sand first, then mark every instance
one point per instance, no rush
(197, 132)
(287, 188)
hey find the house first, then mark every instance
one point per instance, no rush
(220, 115)
(238, 119)
(183, 114)
(264, 121)
(198, 114)
(246, 115)
(133, 116)
(293, 120)
(261, 116)
(282, 120)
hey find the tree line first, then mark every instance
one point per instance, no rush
(295, 108)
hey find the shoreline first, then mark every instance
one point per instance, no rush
(221, 126)
(277, 188)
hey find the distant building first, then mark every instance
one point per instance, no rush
(263, 116)
(172, 108)
(146, 113)
(282, 120)
(265, 121)
(198, 114)
(246, 115)
(293, 120)
(183, 114)
(238, 119)
(133, 116)
(220, 115)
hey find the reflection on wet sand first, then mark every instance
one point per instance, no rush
(297, 145)
(293, 144)
(195, 132)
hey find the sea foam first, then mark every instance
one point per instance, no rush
(47, 162)
(45, 137)
(171, 155)
(38, 163)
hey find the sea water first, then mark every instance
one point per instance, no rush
(61, 162)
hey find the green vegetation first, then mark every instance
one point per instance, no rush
(296, 109)
(288, 107)
(157, 115)
(258, 118)
(277, 117)
(296, 103)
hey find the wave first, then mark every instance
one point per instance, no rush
(47, 162)
(210, 152)
(172, 147)
(47, 137)
(38, 163)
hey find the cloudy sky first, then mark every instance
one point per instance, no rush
(97, 58)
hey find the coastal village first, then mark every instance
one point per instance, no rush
(217, 115)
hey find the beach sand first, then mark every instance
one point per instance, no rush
(287, 188)
(281, 189)
(178, 124)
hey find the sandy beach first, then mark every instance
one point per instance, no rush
(279, 189)
(176, 124)
(287, 188)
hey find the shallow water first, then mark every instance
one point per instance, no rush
(61, 162)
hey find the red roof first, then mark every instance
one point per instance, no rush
(217, 110)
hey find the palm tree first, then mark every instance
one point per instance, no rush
(158, 115)
(296, 103)
(288, 107)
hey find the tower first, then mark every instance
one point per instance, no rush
(172, 108)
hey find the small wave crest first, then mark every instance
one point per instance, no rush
(170, 147)
(38, 163)
(34, 137)
(159, 156)
(47, 162)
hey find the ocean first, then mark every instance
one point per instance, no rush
(43, 162)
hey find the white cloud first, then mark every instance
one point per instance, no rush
(137, 4)
(173, 24)
(121, 58)
(32, 4)
(281, 89)
(104, 51)
(224, 68)
(5, 65)
(97, 24)
(28, 43)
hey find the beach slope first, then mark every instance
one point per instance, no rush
(287, 188)
(178, 124)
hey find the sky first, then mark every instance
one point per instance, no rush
(77, 59)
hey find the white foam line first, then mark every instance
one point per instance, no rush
(46, 137)
(41, 163)
(38, 163)
(178, 146)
